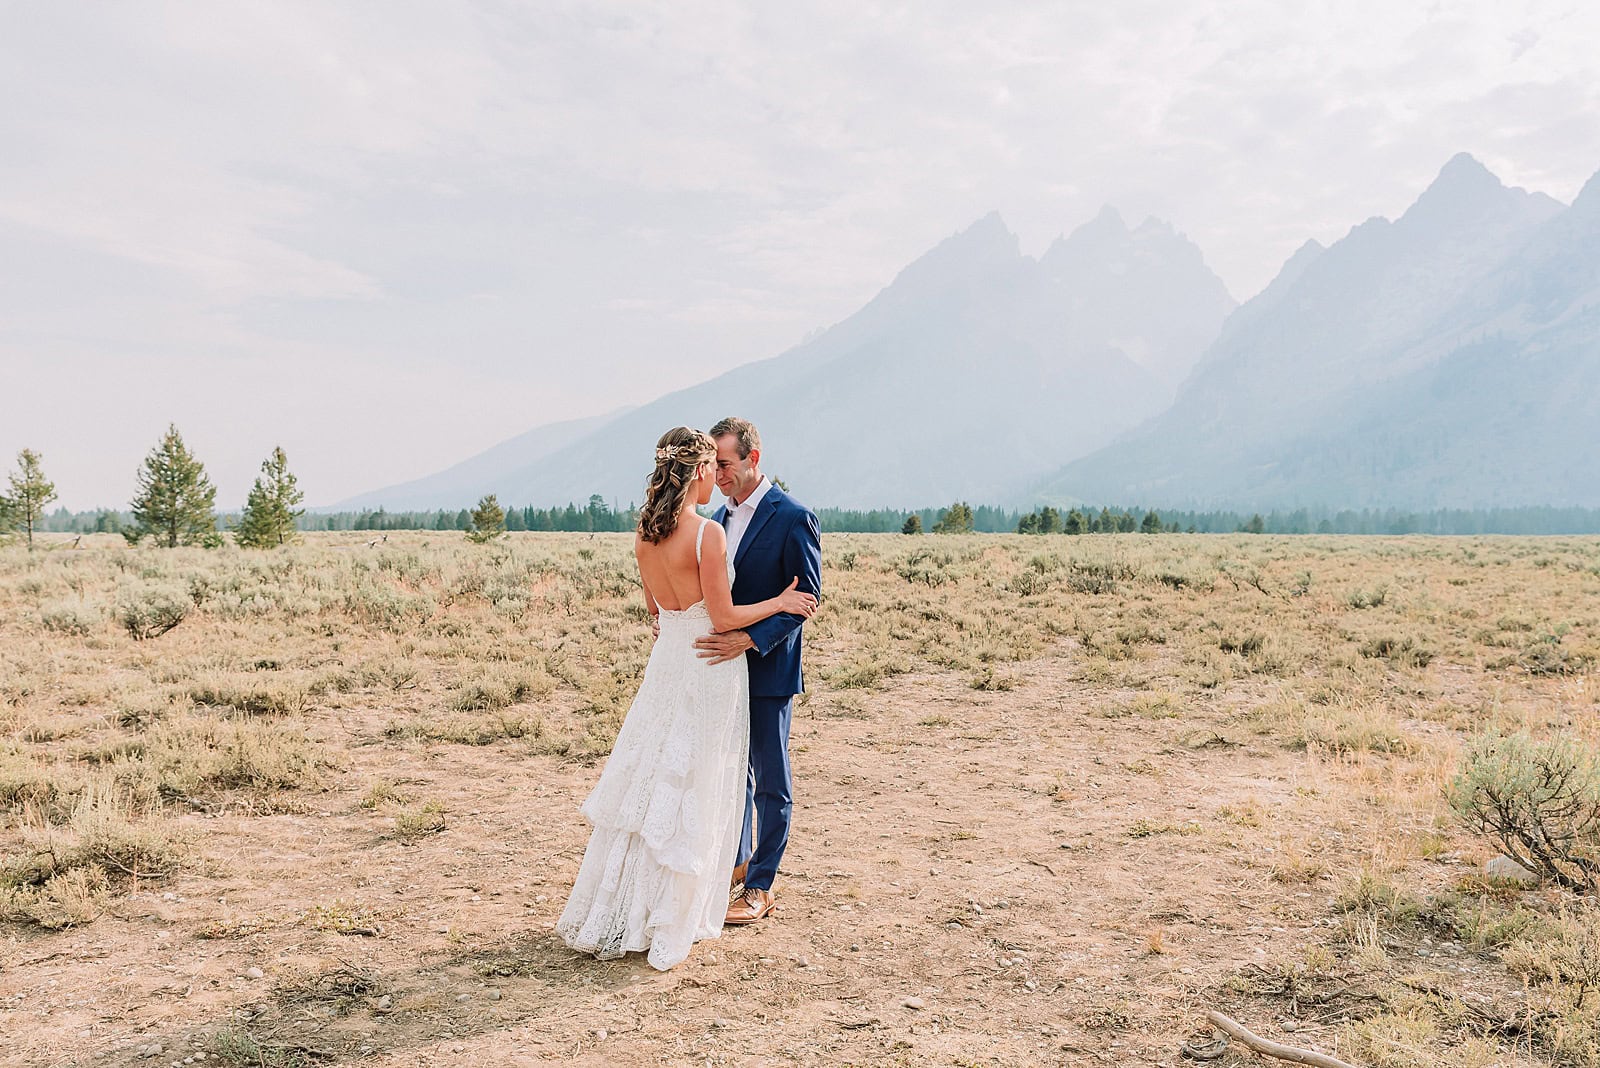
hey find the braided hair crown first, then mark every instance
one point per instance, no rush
(679, 453)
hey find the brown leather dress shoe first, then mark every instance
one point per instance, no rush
(750, 906)
(738, 875)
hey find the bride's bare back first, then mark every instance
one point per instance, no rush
(675, 580)
(669, 569)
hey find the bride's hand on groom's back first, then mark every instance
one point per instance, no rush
(795, 603)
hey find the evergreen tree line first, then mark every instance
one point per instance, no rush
(597, 515)
(176, 505)
(1116, 519)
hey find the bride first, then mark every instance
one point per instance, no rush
(668, 808)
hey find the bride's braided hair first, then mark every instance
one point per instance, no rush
(679, 453)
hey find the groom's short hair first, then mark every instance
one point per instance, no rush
(743, 431)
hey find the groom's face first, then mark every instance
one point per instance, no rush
(737, 476)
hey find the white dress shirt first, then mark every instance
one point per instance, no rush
(739, 515)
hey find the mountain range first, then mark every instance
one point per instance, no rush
(1447, 358)
(973, 374)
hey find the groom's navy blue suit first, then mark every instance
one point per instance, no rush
(782, 542)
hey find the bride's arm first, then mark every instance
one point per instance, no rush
(649, 598)
(725, 615)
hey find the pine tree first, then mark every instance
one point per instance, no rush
(1075, 523)
(30, 492)
(176, 500)
(913, 524)
(269, 512)
(1151, 524)
(957, 519)
(488, 521)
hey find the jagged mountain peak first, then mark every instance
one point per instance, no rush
(1107, 224)
(1107, 234)
(1465, 168)
(970, 253)
(1466, 192)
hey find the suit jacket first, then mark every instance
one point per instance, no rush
(782, 542)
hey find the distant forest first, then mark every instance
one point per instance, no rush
(597, 515)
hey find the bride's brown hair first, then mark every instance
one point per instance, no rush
(679, 453)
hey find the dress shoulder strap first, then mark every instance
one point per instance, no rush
(699, 535)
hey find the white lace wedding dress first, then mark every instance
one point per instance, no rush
(667, 810)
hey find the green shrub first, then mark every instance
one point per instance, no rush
(151, 611)
(1539, 801)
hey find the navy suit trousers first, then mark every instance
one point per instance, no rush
(769, 792)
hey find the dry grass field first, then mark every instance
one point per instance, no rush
(1056, 797)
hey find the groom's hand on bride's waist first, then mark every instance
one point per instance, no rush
(720, 648)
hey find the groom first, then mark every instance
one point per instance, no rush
(772, 538)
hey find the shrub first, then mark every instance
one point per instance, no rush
(499, 688)
(24, 780)
(192, 753)
(1538, 800)
(1349, 730)
(988, 679)
(1243, 644)
(419, 822)
(255, 699)
(74, 617)
(1548, 656)
(151, 611)
(73, 898)
(64, 875)
(1368, 598)
(1397, 650)
(1090, 576)
(112, 834)
(1029, 582)
(386, 607)
(1563, 952)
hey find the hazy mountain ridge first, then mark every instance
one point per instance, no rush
(972, 374)
(470, 479)
(1447, 359)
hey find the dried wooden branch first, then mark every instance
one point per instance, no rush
(1292, 1054)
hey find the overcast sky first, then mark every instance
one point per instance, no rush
(387, 235)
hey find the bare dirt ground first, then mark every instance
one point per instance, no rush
(1067, 871)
